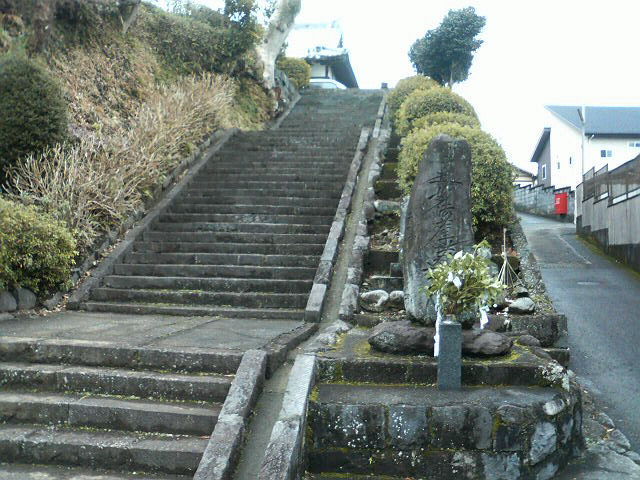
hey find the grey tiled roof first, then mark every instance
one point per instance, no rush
(602, 120)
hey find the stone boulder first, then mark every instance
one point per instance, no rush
(396, 299)
(374, 301)
(522, 305)
(7, 302)
(437, 220)
(485, 342)
(403, 338)
(406, 338)
(25, 299)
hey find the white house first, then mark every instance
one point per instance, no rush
(322, 46)
(611, 137)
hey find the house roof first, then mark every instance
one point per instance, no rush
(323, 43)
(521, 172)
(610, 121)
(544, 139)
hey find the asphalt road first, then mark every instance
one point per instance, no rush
(601, 300)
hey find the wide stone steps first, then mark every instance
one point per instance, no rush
(288, 200)
(39, 444)
(236, 285)
(143, 308)
(114, 381)
(255, 248)
(50, 472)
(261, 192)
(245, 218)
(217, 271)
(234, 237)
(199, 297)
(91, 411)
(245, 236)
(229, 259)
(251, 209)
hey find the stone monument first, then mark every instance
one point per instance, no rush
(437, 220)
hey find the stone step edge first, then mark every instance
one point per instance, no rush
(117, 355)
(61, 472)
(149, 452)
(108, 413)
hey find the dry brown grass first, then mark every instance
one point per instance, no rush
(94, 184)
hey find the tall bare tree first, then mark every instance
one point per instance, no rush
(280, 26)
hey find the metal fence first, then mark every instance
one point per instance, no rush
(617, 185)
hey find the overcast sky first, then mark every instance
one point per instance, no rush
(565, 52)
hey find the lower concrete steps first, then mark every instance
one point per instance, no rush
(148, 417)
(49, 472)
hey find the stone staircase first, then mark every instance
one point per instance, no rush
(97, 409)
(245, 237)
(241, 241)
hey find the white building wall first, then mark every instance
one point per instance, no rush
(566, 152)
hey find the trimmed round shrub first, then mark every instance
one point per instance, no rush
(406, 86)
(491, 173)
(446, 117)
(33, 113)
(298, 70)
(36, 251)
(420, 103)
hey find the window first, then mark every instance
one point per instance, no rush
(634, 144)
(544, 172)
(606, 153)
(558, 165)
(570, 160)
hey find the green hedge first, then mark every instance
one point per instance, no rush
(491, 175)
(298, 70)
(36, 251)
(33, 112)
(420, 103)
(406, 86)
(446, 117)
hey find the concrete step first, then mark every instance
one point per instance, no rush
(261, 200)
(256, 260)
(194, 310)
(246, 218)
(274, 174)
(240, 227)
(274, 163)
(252, 209)
(98, 353)
(114, 413)
(237, 182)
(260, 192)
(235, 237)
(199, 297)
(388, 190)
(113, 450)
(238, 248)
(217, 271)
(115, 381)
(57, 472)
(237, 285)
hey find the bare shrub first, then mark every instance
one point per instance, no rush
(94, 184)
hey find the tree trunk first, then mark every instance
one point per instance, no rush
(281, 24)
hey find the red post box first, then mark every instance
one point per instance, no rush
(562, 203)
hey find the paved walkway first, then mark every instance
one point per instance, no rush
(601, 300)
(151, 330)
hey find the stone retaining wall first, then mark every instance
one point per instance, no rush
(540, 200)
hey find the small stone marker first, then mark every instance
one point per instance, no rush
(437, 219)
(450, 355)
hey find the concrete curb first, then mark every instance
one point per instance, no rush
(315, 304)
(106, 267)
(282, 460)
(278, 348)
(221, 455)
(351, 292)
(117, 355)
